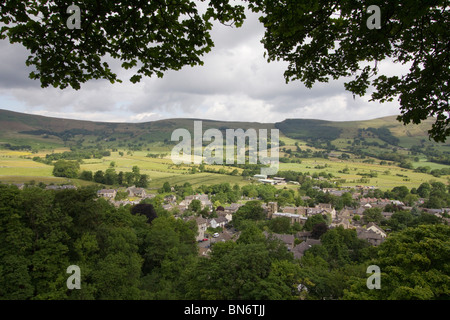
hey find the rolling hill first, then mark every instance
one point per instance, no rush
(33, 130)
(382, 151)
(40, 132)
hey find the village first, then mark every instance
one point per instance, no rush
(214, 228)
(217, 228)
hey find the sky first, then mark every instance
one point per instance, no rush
(236, 83)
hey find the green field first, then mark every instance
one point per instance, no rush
(388, 176)
(47, 135)
(359, 139)
(15, 167)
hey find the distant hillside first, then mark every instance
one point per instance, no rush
(380, 130)
(19, 129)
(39, 131)
(309, 129)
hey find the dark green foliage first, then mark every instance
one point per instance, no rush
(318, 230)
(321, 41)
(145, 209)
(43, 232)
(280, 225)
(314, 220)
(372, 215)
(328, 268)
(403, 219)
(136, 34)
(308, 129)
(414, 265)
(385, 134)
(123, 256)
(166, 187)
(73, 155)
(99, 177)
(195, 206)
(252, 210)
(255, 270)
(64, 135)
(21, 147)
(86, 175)
(68, 169)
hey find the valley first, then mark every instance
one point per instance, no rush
(381, 152)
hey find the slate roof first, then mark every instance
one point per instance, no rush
(300, 249)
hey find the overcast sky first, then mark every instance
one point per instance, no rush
(236, 83)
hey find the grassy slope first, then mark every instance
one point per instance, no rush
(15, 168)
(12, 125)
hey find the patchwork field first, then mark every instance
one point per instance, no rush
(16, 167)
(388, 176)
(358, 140)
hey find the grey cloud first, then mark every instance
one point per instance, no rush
(13, 71)
(236, 83)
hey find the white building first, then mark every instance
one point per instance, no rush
(294, 217)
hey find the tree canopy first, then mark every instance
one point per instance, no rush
(140, 252)
(154, 36)
(63, 168)
(320, 40)
(414, 266)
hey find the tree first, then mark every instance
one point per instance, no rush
(400, 192)
(400, 220)
(247, 265)
(438, 189)
(120, 178)
(50, 240)
(253, 273)
(410, 199)
(68, 169)
(117, 274)
(166, 187)
(110, 176)
(320, 41)
(318, 230)
(99, 176)
(16, 238)
(121, 195)
(195, 206)
(157, 36)
(347, 199)
(169, 250)
(250, 233)
(372, 215)
(136, 174)
(413, 265)
(145, 209)
(129, 178)
(143, 181)
(280, 225)
(252, 210)
(313, 220)
(424, 190)
(86, 175)
(282, 281)
(167, 233)
(286, 197)
(343, 246)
